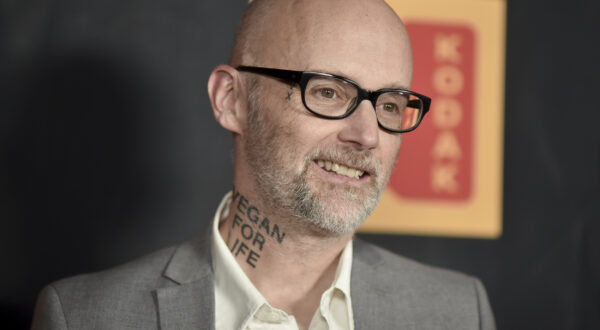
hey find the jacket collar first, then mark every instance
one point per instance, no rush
(188, 300)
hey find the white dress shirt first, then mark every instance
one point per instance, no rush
(239, 305)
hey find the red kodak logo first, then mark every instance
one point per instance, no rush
(435, 161)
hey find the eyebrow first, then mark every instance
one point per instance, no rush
(396, 85)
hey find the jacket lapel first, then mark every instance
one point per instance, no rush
(188, 300)
(373, 302)
(365, 294)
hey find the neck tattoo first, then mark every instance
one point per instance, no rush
(253, 228)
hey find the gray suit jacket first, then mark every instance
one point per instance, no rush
(174, 289)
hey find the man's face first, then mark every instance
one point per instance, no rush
(329, 172)
(307, 173)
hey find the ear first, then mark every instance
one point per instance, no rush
(228, 97)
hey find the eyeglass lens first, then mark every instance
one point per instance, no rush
(334, 97)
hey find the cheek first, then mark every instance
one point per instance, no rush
(302, 127)
(287, 114)
(390, 147)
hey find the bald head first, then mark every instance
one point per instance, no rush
(330, 35)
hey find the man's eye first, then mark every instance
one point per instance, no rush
(389, 107)
(328, 93)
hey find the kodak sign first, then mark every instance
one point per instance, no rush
(448, 177)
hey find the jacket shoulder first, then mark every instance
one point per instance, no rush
(415, 295)
(386, 263)
(141, 273)
(120, 296)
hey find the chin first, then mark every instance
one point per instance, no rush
(336, 214)
(335, 227)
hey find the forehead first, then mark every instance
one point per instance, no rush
(362, 40)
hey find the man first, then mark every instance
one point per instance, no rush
(313, 151)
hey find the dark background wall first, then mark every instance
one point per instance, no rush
(108, 150)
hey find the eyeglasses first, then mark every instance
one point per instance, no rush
(335, 97)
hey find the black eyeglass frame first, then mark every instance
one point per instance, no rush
(302, 78)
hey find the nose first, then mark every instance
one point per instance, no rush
(361, 128)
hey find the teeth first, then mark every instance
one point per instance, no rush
(340, 169)
(351, 173)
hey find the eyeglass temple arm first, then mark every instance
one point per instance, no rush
(424, 101)
(289, 75)
(414, 104)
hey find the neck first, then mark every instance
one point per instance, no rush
(290, 267)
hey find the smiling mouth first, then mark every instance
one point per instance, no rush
(340, 169)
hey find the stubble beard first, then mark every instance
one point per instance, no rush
(329, 209)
